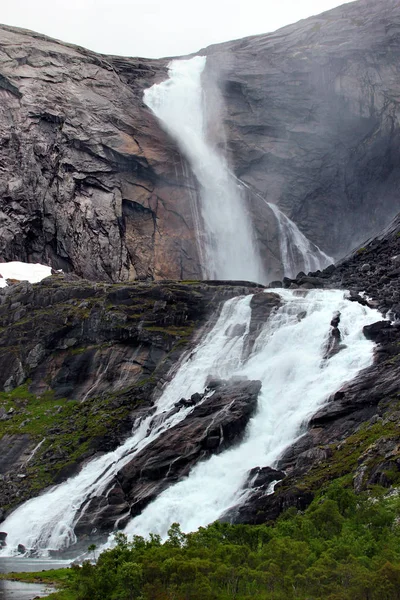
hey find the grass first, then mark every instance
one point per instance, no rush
(69, 430)
(54, 576)
(346, 456)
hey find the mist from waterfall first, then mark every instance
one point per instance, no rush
(223, 225)
(297, 252)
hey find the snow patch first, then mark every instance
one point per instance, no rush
(23, 272)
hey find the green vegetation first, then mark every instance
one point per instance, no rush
(343, 547)
(59, 578)
(69, 430)
(56, 577)
(362, 447)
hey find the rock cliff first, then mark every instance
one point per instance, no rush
(90, 183)
(312, 121)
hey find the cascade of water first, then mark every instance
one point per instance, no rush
(47, 522)
(297, 252)
(223, 224)
(288, 358)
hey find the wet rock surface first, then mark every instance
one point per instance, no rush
(213, 426)
(312, 122)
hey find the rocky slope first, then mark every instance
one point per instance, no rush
(90, 183)
(212, 427)
(88, 359)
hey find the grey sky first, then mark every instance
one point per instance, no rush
(154, 28)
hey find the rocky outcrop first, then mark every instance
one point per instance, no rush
(212, 426)
(90, 183)
(80, 362)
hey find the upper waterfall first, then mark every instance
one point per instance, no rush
(224, 232)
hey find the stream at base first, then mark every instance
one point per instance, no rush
(17, 590)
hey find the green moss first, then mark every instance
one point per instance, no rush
(68, 430)
(171, 330)
(347, 455)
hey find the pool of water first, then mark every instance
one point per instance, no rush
(16, 590)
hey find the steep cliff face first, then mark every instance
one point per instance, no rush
(312, 121)
(90, 183)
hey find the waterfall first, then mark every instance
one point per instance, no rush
(47, 522)
(223, 226)
(297, 252)
(288, 358)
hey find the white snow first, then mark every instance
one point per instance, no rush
(32, 272)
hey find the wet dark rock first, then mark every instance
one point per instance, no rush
(379, 332)
(311, 282)
(211, 427)
(264, 476)
(263, 508)
(262, 306)
(287, 282)
(333, 345)
(3, 538)
(194, 399)
(213, 384)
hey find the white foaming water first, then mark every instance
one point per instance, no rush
(297, 252)
(296, 381)
(46, 522)
(224, 229)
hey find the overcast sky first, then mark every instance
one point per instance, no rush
(155, 28)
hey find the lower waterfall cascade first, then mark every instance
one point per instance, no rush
(288, 357)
